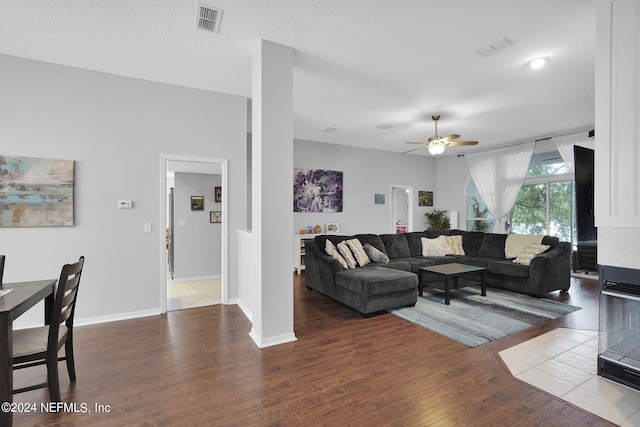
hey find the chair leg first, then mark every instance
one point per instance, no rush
(68, 352)
(52, 378)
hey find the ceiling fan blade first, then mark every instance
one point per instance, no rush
(450, 137)
(463, 143)
(412, 142)
(415, 149)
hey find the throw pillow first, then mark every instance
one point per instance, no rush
(346, 254)
(492, 246)
(517, 242)
(453, 245)
(375, 255)
(332, 251)
(358, 252)
(433, 247)
(529, 253)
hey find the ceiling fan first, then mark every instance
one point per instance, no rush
(436, 144)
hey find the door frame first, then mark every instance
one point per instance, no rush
(410, 200)
(224, 262)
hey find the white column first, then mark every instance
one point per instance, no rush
(272, 182)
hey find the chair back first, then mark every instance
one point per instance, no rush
(64, 303)
(1, 267)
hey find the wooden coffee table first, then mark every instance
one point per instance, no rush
(454, 278)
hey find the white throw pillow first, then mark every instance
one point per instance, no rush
(433, 247)
(346, 254)
(331, 250)
(453, 245)
(529, 253)
(358, 252)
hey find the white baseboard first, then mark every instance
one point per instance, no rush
(271, 341)
(193, 279)
(115, 317)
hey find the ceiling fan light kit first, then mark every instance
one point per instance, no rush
(437, 144)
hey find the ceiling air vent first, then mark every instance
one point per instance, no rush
(492, 48)
(208, 18)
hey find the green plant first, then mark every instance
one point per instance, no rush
(479, 213)
(437, 220)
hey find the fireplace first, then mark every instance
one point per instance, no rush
(619, 340)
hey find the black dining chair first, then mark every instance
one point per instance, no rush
(40, 346)
(2, 257)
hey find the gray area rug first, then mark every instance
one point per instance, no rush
(474, 320)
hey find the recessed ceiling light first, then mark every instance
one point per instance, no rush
(537, 63)
(384, 126)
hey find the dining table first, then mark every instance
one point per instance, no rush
(21, 296)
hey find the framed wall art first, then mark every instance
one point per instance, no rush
(317, 190)
(215, 216)
(217, 195)
(425, 198)
(197, 203)
(36, 192)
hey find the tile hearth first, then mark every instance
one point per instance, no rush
(563, 363)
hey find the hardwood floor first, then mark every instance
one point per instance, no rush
(199, 367)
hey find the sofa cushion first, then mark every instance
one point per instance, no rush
(492, 246)
(516, 243)
(415, 263)
(372, 239)
(358, 252)
(415, 243)
(432, 234)
(376, 280)
(396, 245)
(335, 239)
(529, 253)
(447, 259)
(375, 255)
(453, 245)
(478, 262)
(346, 254)
(471, 241)
(508, 268)
(333, 252)
(433, 247)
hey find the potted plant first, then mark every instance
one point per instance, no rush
(437, 219)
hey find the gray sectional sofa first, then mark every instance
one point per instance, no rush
(380, 286)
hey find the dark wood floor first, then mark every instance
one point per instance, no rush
(199, 367)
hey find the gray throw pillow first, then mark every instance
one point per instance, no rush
(375, 255)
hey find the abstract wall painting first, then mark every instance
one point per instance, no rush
(36, 192)
(317, 190)
(425, 198)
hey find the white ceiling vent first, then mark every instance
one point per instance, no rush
(208, 18)
(492, 48)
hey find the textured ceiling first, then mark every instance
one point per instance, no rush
(358, 63)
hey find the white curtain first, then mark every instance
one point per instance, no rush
(498, 175)
(565, 144)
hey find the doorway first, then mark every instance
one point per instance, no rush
(401, 215)
(192, 289)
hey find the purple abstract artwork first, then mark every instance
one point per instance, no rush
(317, 190)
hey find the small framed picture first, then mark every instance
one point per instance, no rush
(197, 203)
(333, 228)
(217, 195)
(378, 199)
(215, 216)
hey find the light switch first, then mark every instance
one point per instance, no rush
(147, 227)
(125, 204)
(182, 223)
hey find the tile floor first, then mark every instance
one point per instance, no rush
(563, 363)
(197, 293)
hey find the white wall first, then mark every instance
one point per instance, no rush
(115, 129)
(197, 244)
(366, 172)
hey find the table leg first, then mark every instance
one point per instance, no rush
(483, 283)
(6, 367)
(420, 282)
(447, 290)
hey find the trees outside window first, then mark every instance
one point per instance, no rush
(545, 203)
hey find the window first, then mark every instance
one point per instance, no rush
(478, 216)
(545, 203)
